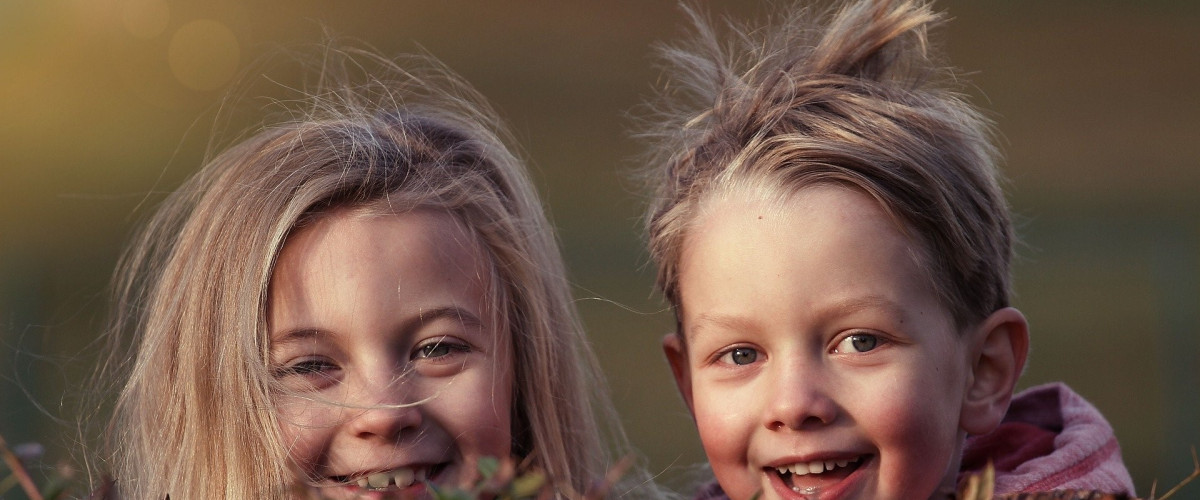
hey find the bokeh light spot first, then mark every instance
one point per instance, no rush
(203, 54)
(145, 18)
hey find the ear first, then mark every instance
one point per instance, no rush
(676, 353)
(998, 348)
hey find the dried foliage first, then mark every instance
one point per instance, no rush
(508, 480)
(17, 475)
(497, 480)
(981, 486)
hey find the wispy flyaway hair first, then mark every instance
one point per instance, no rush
(195, 415)
(852, 96)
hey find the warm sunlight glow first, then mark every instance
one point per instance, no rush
(145, 18)
(204, 54)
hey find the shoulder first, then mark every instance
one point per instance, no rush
(1051, 439)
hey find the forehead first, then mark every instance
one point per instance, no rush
(398, 257)
(826, 212)
(379, 226)
(355, 231)
(823, 248)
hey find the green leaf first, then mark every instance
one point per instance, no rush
(488, 466)
(7, 484)
(449, 493)
(527, 486)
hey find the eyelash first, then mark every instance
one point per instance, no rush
(439, 350)
(306, 367)
(727, 356)
(878, 341)
(730, 352)
(425, 351)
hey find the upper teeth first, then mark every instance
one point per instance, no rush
(814, 467)
(402, 477)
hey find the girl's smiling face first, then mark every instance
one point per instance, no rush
(391, 365)
(816, 359)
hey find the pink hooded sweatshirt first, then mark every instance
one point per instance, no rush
(1050, 439)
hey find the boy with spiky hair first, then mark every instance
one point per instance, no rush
(830, 231)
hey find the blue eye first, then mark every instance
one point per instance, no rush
(740, 356)
(858, 343)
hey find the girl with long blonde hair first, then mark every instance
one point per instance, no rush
(363, 299)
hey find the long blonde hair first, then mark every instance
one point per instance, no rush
(194, 418)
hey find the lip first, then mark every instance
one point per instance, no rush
(839, 490)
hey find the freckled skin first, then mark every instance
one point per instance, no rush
(794, 283)
(395, 313)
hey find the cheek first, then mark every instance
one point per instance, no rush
(907, 427)
(726, 425)
(914, 421)
(723, 433)
(477, 407)
(306, 429)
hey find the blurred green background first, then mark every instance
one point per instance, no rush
(105, 104)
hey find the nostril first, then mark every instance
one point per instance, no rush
(803, 417)
(386, 422)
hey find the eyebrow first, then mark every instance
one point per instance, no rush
(707, 321)
(425, 316)
(855, 304)
(734, 322)
(447, 312)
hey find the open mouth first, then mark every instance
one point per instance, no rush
(811, 478)
(391, 480)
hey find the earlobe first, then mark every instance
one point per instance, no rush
(676, 352)
(998, 350)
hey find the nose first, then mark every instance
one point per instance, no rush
(384, 414)
(386, 422)
(800, 397)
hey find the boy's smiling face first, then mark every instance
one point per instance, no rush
(812, 340)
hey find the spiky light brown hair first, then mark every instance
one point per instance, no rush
(850, 96)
